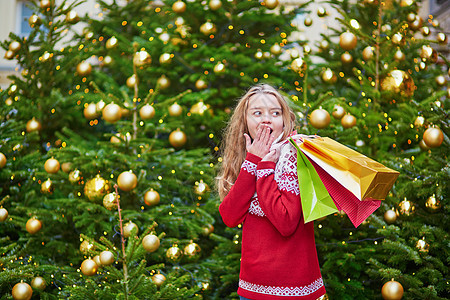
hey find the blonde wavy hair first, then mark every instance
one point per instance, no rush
(233, 146)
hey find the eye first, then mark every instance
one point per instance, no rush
(276, 113)
(256, 113)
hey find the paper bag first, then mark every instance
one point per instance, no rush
(316, 202)
(357, 211)
(362, 176)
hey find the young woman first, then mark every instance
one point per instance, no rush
(258, 186)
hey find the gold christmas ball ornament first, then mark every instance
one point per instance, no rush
(425, 31)
(200, 108)
(192, 251)
(201, 84)
(39, 283)
(338, 112)
(142, 58)
(324, 45)
(22, 291)
(308, 21)
(433, 137)
(406, 3)
(107, 258)
(110, 202)
(174, 254)
(433, 204)
(175, 110)
(14, 46)
(208, 28)
(51, 165)
(151, 198)
(276, 49)
(392, 290)
(200, 187)
(416, 24)
(163, 82)
(319, 118)
(397, 39)
(2, 160)
(440, 80)
(112, 42)
(97, 261)
(34, 20)
(47, 187)
(398, 82)
(33, 125)
(33, 225)
(346, 58)
(85, 247)
(422, 246)
(328, 76)
(84, 68)
(405, 208)
(321, 12)
(271, 4)
(179, 7)
(132, 81)
(44, 4)
(127, 181)
(130, 228)
(177, 138)
(399, 55)
(112, 113)
(215, 4)
(219, 68)
(419, 121)
(147, 112)
(90, 111)
(428, 53)
(89, 267)
(158, 279)
(411, 17)
(348, 121)
(96, 188)
(100, 105)
(347, 40)
(75, 176)
(46, 56)
(208, 229)
(8, 101)
(107, 60)
(423, 146)
(165, 58)
(441, 38)
(9, 55)
(150, 242)
(72, 17)
(298, 65)
(390, 216)
(3, 214)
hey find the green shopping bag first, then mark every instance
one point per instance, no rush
(316, 202)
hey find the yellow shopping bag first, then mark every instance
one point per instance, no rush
(364, 177)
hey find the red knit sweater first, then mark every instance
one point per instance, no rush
(279, 258)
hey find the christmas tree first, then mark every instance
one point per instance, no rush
(381, 78)
(109, 145)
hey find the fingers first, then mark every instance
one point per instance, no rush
(248, 141)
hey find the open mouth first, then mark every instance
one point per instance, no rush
(271, 130)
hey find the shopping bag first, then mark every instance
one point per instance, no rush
(316, 202)
(357, 211)
(362, 176)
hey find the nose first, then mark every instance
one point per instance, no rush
(266, 118)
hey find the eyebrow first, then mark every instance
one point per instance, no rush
(255, 108)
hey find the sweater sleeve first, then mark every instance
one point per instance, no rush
(235, 205)
(279, 201)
